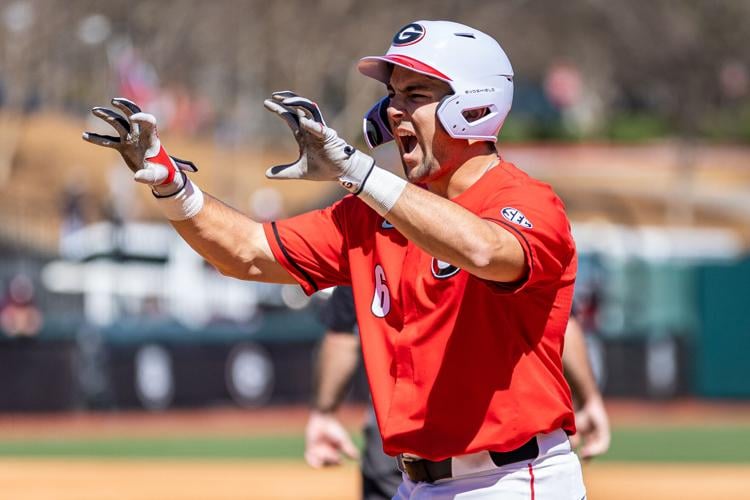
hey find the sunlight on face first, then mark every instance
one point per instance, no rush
(423, 144)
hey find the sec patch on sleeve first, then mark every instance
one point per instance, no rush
(516, 217)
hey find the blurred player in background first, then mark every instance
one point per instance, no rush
(592, 424)
(327, 441)
(19, 314)
(462, 274)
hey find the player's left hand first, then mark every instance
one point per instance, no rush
(593, 429)
(326, 441)
(324, 156)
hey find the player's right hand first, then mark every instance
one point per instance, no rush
(139, 145)
(326, 441)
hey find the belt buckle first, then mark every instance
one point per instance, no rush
(419, 469)
(403, 459)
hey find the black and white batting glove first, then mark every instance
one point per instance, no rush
(138, 143)
(324, 156)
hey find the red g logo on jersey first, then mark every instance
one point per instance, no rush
(442, 270)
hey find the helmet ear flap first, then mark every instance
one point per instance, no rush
(377, 130)
(477, 113)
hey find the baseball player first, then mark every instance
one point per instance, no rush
(326, 439)
(462, 274)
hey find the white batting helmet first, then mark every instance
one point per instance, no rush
(471, 62)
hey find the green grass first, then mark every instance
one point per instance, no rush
(636, 444)
(680, 444)
(183, 448)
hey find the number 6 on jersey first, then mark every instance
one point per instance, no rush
(381, 300)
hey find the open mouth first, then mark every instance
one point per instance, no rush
(408, 141)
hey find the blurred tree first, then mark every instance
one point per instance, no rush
(680, 62)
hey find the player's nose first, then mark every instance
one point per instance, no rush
(395, 114)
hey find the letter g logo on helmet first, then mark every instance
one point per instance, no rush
(409, 34)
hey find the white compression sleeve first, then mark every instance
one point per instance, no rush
(382, 189)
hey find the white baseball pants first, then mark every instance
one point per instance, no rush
(554, 475)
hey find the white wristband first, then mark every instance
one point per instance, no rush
(184, 204)
(382, 189)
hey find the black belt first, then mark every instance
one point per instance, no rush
(420, 469)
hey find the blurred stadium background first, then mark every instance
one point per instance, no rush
(118, 342)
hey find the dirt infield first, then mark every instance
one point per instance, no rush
(655, 481)
(172, 480)
(231, 480)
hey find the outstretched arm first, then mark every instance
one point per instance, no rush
(232, 242)
(228, 239)
(451, 233)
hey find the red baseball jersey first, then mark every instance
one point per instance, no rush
(456, 363)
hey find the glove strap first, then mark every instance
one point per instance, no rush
(355, 183)
(184, 204)
(380, 189)
(162, 158)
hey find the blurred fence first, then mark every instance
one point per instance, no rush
(656, 330)
(723, 336)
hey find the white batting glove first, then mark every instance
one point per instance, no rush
(326, 441)
(324, 156)
(140, 147)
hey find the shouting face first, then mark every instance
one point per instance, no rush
(427, 151)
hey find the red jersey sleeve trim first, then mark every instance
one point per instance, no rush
(519, 285)
(287, 262)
